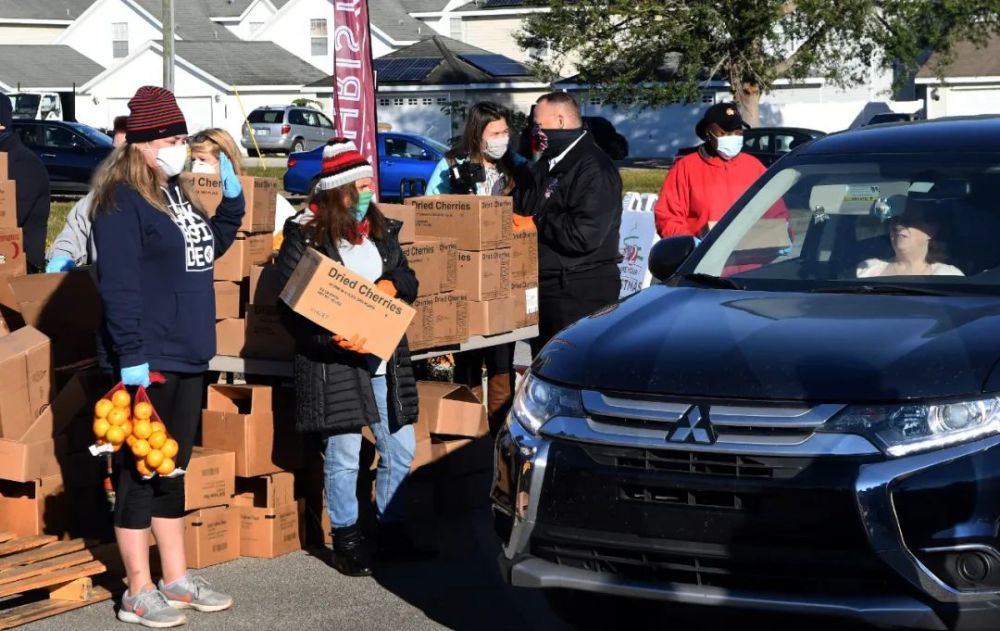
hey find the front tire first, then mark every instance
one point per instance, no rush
(297, 146)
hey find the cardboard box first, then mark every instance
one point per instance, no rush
(230, 337)
(267, 533)
(524, 254)
(484, 275)
(205, 190)
(13, 261)
(241, 419)
(261, 195)
(236, 263)
(228, 303)
(210, 478)
(212, 536)
(66, 307)
(451, 410)
(267, 491)
(435, 262)
(4, 173)
(441, 320)
(490, 317)
(266, 335)
(476, 222)
(25, 380)
(265, 286)
(8, 202)
(36, 452)
(525, 297)
(27, 507)
(342, 302)
(405, 214)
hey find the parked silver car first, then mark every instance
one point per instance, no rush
(286, 129)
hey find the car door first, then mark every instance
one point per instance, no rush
(66, 158)
(326, 131)
(404, 159)
(311, 131)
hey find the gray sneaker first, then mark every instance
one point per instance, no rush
(194, 592)
(150, 609)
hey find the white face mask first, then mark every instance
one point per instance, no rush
(496, 148)
(729, 146)
(171, 159)
(200, 166)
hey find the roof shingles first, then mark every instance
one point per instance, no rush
(248, 63)
(44, 66)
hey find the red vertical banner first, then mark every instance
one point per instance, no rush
(354, 79)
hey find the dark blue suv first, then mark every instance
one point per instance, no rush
(802, 416)
(71, 152)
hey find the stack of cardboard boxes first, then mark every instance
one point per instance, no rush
(12, 259)
(524, 276)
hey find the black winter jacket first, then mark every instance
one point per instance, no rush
(332, 386)
(32, 197)
(577, 206)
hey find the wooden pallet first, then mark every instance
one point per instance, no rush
(53, 576)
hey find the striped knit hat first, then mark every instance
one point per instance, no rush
(342, 164)
(154, 114)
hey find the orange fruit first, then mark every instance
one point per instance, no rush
(117, 447)
(140, 449)
(117, 416)
(166, 467)
(115, 435)
(142, 410)
(121, 399)
(140, 466)
(157, 440)
(158, 426)
(154, 459)
(101, 427)
(142, 429)
(102, 408)
(100, 442)
(127, 428)
(130, 441)
(169, 448)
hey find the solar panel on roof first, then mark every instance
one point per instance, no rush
(413, 69)
(496, 65)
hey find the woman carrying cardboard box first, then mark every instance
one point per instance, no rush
(341, 388)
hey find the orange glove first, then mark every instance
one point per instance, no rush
(387, 287)
(522, 222)
(353, 345)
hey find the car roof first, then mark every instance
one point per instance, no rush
(801, 130)
(955, 135)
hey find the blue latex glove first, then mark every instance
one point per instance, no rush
(697, 242)
(231, 186)
(60, 264)
(136, 375)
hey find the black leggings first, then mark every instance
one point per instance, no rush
(137, 501)
(499, 360)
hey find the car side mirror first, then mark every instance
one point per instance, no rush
(668, 254)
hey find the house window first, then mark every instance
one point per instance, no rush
(317, 33)
(428, 101)
(398, 102)
(384, 102)
(595, 100)
(442, 100)
(256, 26)
(707, 98)
(414, 102)
(119, 40)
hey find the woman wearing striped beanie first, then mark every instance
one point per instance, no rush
(156, 251)
(340, 387)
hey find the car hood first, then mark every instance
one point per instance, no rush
(781, 346)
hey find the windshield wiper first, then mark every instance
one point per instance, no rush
(900, 290)
(707, 280)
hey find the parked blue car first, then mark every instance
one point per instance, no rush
(71, 152)
(406, 161)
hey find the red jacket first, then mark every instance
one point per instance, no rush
(701, 189)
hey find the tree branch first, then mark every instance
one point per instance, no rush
(785, 66)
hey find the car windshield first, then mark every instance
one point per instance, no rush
(98, 138)
(851, 223)
(25, 105)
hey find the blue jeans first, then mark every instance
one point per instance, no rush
(342, 455)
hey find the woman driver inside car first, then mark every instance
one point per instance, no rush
(918, 250)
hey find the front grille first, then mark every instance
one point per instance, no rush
(725, 465)
(726, 434)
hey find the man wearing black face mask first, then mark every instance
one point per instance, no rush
(32, 187)
(576, 203)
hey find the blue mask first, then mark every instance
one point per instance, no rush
(364, 201)
(729, 146)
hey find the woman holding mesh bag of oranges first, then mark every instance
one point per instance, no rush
(155, 254)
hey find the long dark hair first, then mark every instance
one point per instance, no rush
(334, 221)
(470, 143)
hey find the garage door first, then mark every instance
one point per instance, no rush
(197, 112)
(973, 101)
(417, 114)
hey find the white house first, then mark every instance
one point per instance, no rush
(37, 21)
(969, 86)
(244, 18)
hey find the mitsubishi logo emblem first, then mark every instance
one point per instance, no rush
(694, 427)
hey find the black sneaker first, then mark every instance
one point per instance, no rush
(350, 557)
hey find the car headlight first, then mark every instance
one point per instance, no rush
(905, 429)
(538, 401)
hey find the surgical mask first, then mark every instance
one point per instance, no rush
(496, 148)
(200, 166)
(171, 159)
(729, 146)
(364, 201)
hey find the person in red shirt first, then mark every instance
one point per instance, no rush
(702, 185)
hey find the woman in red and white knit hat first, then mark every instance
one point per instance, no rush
(340, 387)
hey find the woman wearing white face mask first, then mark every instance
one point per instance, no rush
(482, 164)
(155, 255)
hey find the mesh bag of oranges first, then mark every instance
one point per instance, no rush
(121, 420)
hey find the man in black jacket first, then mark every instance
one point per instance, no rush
(32, 188)
(576, 202)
